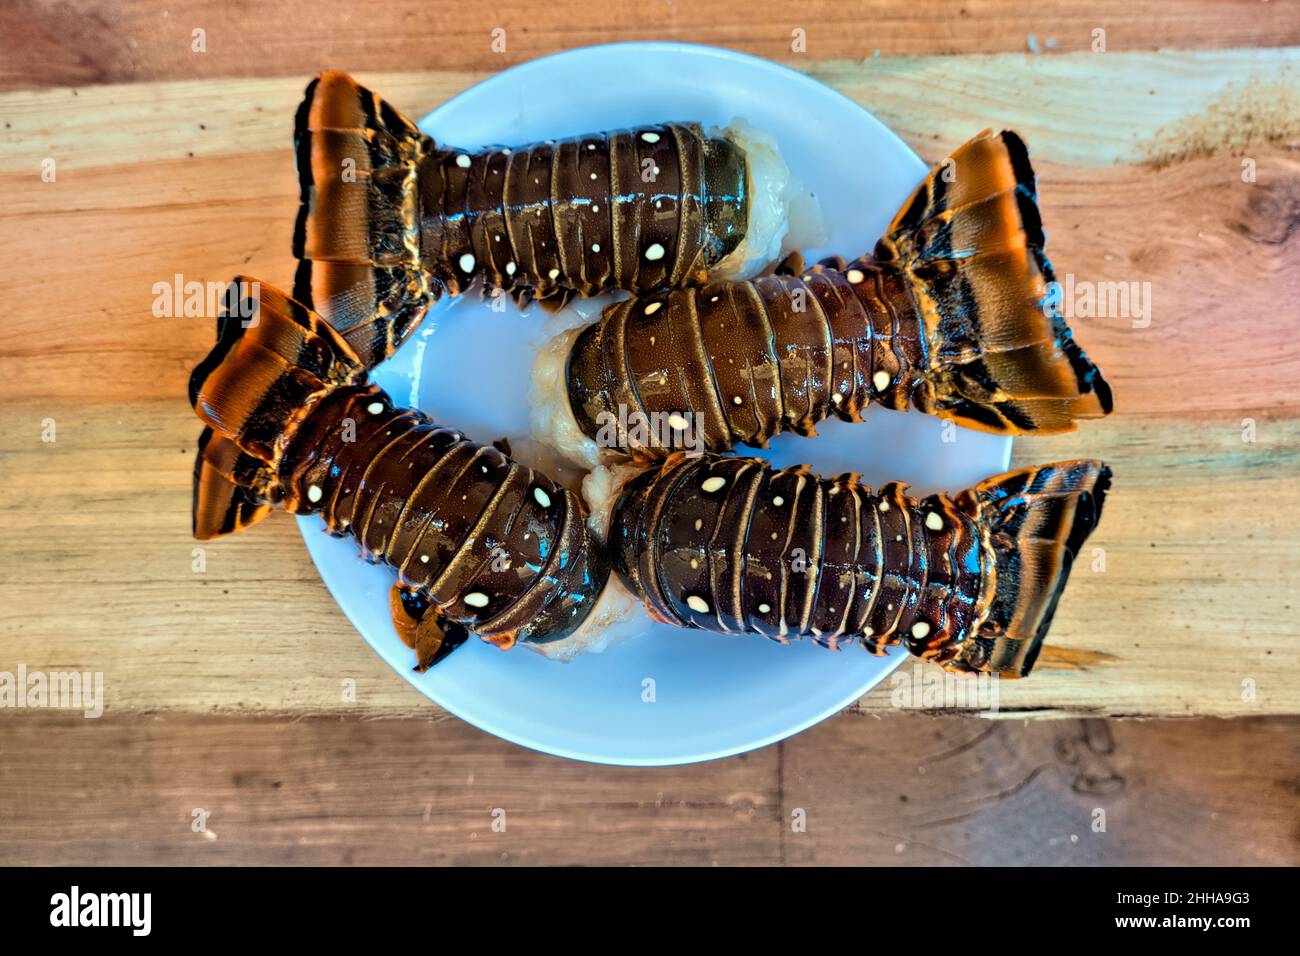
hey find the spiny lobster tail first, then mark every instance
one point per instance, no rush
(273, 360)
(1038, 520)
(358, 230)
(970, 242)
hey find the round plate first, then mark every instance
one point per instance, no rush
(665, 696)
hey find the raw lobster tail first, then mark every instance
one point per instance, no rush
(481, 543)
(970, 244)
(729, 544)
(390, 221)
(358, 232)
(949, 316)
(1037, 520)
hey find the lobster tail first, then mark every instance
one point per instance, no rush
(1036, 520)
(273, 360)
(358, 230)
(970, 243)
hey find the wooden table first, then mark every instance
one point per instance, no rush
(127, 157)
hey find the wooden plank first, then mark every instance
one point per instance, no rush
(47, 44)
(906, 790)
(104, 512)
(939, 792)
(1083, 109)
(1193, 614)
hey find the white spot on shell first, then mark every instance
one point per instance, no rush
(738, 400)
(920, 629)
(884, 506)
(764, 608)
(591, 145)
(715, 483)
(837, 398)
(510, 268)
(880, 380)
(778, 501)
(855, 276)
(593, 175)
(677, 421)
(656, 251)
(697, 604)
(650, 137)
(462, 161)
(476, 599)
(595, 247)
(374, 408)
(699, 523)
(553, 274)
(314, 493)
(652, 308)
(424, 559)
(467, 263)
(933, 522)
(542, 497)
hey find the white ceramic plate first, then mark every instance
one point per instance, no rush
(469, 367)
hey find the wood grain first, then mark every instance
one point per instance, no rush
(1141, 160)
(72, 44)
(900, 791)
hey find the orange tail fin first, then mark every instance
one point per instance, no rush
(358, 231)
(970, 242)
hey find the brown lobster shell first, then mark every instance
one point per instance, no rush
(481, 543)
(970, 582)
(390, 221)
(950, 315)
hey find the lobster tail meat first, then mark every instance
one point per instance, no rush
(481, 543)
(969, 582)
(951, 315)
(390, 220)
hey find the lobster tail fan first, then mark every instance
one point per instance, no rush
(358, 230)
(970, 242)
(273, 360)
(224, 497)
(1038, 520)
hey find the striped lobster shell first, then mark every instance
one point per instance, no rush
(949, 315)
(970, 582)
(390, 221)
(481, 543)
